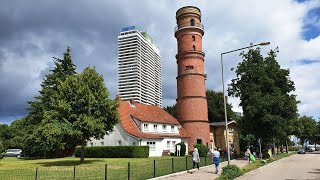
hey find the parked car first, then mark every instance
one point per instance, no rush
(301, 151)
(14, 153)
(310, 149)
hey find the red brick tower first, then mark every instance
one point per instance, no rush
(192, 107)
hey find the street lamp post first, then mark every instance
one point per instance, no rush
(224, 97)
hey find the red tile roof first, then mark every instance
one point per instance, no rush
(146, 113)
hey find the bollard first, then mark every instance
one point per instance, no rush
(186, 163)
(205, 160)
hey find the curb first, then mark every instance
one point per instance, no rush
(259, 169)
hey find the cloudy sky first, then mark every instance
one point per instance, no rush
(33, 31)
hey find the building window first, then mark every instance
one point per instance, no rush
(155, 127)
(152, 146)
(189, 67)
(164, 128)
(193, 47)
(173, 144)
(168, 144)
(91, 144)
(193, 38)
(192, 22)
(119, 143)
(134, 143)
(199, 141)
(172, 128)
(145, 126)
(102, 143)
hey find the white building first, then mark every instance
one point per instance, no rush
(139, 68)
(144, 125)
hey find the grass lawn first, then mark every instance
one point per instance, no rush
(93, 168)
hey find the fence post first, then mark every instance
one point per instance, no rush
(205, 160)
(105, 171)
(128, 170)
(186, 163)
(36, 174)
(74, 172)
(154, 168)
(172, 166)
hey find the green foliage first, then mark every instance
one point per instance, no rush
(83, 106)
(114, 152)
(264, 89)
(2, 149)
(307, 129)
(171, 110)
(202, 149)
(216, 107)
(293, 148)
(231, 171)
(182, 148)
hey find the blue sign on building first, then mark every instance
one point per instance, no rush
(128, 28)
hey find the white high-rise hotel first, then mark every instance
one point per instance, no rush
(139, 68)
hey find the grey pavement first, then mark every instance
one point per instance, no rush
(206, 172)
(295, 167)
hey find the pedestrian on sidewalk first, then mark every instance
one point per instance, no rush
(195, 158)
(216, 159)
(247, 154)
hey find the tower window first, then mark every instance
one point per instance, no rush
(199, 141)
(193, 38)
(193, 47)
(189, 67)
(192, 22)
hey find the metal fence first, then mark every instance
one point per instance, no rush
(131, 170)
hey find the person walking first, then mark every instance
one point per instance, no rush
(247, 154)
(216, 159)
(195, 158)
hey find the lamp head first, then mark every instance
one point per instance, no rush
(264, 43)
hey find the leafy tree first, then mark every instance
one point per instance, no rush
(44, 137)
(264, 91)
(171, 110)
(83, 107)
(215, 107)
(308, 129)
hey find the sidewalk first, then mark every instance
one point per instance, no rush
(206, 172)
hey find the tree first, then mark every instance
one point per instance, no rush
(43, 138)
(264, 91)
(308, 129)
(83, 108)
(215, 107)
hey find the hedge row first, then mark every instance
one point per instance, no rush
(114, 152)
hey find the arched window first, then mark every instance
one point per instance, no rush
(192, 22)
(193, 47)
(193, 38)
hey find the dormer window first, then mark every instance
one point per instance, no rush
(192, 22)
(172, 128)
(145, 126)
(155, 127)
(164, 128)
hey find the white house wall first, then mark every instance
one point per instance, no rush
(117, 137)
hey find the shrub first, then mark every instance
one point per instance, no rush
(202, 149)
(231, 171)
(114, 152)
(2, 149)
(292, 148)
(182, 148)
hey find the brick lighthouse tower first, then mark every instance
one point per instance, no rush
(192, 107)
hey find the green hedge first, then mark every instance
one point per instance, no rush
(231, 172)
(114, 152)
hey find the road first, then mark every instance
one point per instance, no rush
(295, 167)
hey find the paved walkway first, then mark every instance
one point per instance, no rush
(206, 172)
